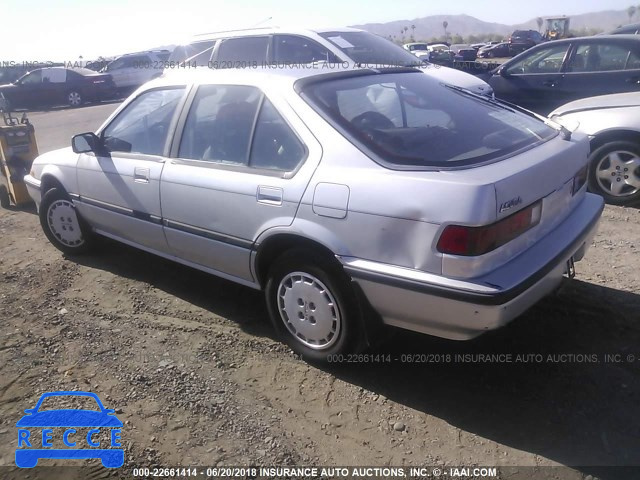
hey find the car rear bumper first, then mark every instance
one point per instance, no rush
(463, 309)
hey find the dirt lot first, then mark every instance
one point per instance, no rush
(190, 364)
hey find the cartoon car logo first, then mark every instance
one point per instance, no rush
(36, 438)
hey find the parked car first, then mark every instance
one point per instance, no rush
(353, 198)
(502, 50)
(554, 73)
(415, 46)
(291, 47)
(437, 54)
(526, 37)
(612, 122)
(632, 29)
(54, 86)
(132, 70)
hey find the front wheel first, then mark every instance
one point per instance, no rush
(614, 172)
(312, 305)
(62, 225)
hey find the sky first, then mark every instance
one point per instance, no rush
(64, 30)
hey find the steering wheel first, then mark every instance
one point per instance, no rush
(371, 121)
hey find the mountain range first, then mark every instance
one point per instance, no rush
(465, 25)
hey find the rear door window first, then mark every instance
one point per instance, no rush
(595, 57)
(220, 124)
(293, 49)
(242, 52)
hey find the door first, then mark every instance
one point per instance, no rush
(28, 91)
(54, 86)
(241, 166)
(601, 67)
(534, 81)
(120, 190)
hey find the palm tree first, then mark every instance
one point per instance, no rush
(539, 21)
(445, 24)
(631, 11)
(413, 33)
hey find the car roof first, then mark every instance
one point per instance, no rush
(269, 31)
(261, 75)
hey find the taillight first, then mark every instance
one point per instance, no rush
(579, 180)
(473, 241)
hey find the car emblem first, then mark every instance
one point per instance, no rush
(509, 204)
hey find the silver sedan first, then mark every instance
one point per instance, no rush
(612, 122)
(354, 199)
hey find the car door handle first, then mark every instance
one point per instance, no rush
(550, 83)
(633, 80)
(269, 195)
(141, 175)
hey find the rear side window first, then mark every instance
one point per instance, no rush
(411, 121)
(237, 125)
(143, 126)
(242, 52)
(275, 146)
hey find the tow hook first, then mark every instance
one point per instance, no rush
(571, 268)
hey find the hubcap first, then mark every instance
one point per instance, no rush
(74, 98)
(309, 310)
(63, 223)
(618, 173)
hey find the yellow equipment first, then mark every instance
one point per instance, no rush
(18, 149)
(557, 28)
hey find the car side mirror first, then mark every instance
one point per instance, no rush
(503, 72)
(86, 142)
(29, 411)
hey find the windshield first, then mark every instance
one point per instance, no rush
(409, 120)
(371, 50)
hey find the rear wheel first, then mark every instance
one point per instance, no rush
(312, 305)
(74, 98)
(62, 225)
(614, 172)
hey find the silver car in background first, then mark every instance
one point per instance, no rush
(612, 123)
(355, 199)
(285, 47)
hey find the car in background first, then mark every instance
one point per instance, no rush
(416, 46)
(632, 29)
(55, 86)
(502, 50)
(437, 54)
(484, 207)
(554, 73)
(133, 69)
(526, 37)
(612, 123)
(279, 47)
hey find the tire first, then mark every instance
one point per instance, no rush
(5, 200)
(74, 98)
(312, 305)
(614, 172)
(64, 228)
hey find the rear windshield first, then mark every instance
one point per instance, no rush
(410, 121)
(370, 50)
